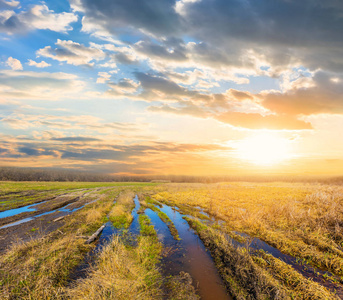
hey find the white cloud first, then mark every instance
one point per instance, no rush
(103, 77)
(72, 53)
(41, 64)
(39, 86)
(8, 4)
(179, 6)
(38, 17)
(41, 17)
(14, 63)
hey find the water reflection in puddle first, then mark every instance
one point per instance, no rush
(189, 255)
(17, 211)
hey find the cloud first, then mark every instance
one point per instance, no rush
(323, 95)
(14, 63)
(123, 86)
(41, 64)
(69, 122)
(37, 17)
(189, 109)
(8, 4)
(76, 139)
(144, 158)
(43, 85)
(103, 77)
(169, 50)
(37, 152)
(257, 121)
(231, 33)
(160, 84)
(155, 16)
(72, 53)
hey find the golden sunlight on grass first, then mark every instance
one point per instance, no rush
(264, 148)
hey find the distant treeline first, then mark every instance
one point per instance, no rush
(249, 178)
(42, 174)
(49, 174)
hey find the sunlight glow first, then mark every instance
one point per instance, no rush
(265, 148)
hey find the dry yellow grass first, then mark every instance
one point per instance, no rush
(303, 220)
(123, 271)
(120, 273)
(247, 280)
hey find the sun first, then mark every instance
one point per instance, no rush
(264, 148)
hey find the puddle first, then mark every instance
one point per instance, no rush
(63, 209)
(81, 271)
(17, 211)
(135, 227)
(17, 223)
(190, 255)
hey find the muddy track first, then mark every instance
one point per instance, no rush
(47, 205)
(81, 271)
(40, 199)
(185, 255)
(40, 222)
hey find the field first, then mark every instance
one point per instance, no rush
(171, 241)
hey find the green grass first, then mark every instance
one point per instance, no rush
(120, 215)
(146, 228)
(16, 194)
(18, 186)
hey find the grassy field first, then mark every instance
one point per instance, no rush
(15, 194)
(267, 241)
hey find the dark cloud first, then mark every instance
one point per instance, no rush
(76, 139)
(2, 150)
(173, 50)
(282, 32)
(155, 16)
(150, 82)
(124, 59)
(11, 24)
(113, 153)
(29, 151)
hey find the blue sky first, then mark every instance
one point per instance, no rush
(171, 87)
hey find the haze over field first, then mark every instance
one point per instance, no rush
(192, 87)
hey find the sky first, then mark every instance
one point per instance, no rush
(186, 87)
